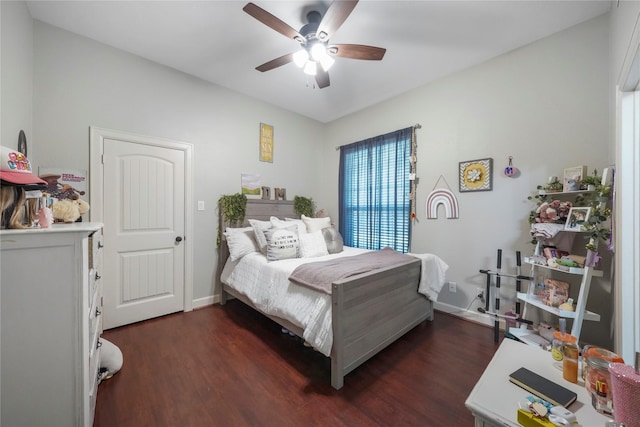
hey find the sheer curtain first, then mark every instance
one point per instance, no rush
(374, 192)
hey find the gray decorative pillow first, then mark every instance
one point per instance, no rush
(333, 239)
(282, 243)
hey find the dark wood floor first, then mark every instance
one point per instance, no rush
(230, 366)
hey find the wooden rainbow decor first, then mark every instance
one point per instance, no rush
(442, 196)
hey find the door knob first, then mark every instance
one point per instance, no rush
(178, 239)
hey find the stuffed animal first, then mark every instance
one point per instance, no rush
(67, 210)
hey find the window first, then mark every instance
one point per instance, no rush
(374, 192)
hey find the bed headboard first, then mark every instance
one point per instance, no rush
(256, 209)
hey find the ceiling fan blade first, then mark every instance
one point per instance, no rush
(275, 63)
(357, 51)
(272, 22)
(322, 78)
(335, 16)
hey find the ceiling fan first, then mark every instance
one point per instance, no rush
(316, 55)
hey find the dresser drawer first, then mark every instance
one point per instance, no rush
(94, 284)
(94, 367)
(95, 322)
(95, 247)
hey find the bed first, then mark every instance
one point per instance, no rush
(360, 316)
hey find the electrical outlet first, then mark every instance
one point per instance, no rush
(453, 286)
(480, 294)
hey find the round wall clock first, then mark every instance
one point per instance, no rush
(476, 175)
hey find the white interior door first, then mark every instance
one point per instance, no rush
(144, 217)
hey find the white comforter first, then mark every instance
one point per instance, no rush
(267, 285)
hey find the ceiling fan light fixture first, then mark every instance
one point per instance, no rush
(318, 51)
(326, 62)
(300, 58)
(310, 68)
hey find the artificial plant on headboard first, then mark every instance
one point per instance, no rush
(233, 208)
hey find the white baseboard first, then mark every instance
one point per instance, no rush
(203, 302)
(471, 315)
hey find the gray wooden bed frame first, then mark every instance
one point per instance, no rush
(369, 311)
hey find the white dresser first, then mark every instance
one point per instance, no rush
(51, 301)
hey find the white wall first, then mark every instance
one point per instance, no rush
(545, 104)
(16, 65)
(625, 44)
(81, 83)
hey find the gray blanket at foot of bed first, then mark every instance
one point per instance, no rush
(320, 275)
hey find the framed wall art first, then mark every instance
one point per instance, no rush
(476, 175)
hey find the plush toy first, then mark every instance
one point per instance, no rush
(67, 210)
(110, 360)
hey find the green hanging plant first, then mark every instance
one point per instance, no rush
(303, 206)
(233, 208)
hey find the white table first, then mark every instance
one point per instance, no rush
(494, 399)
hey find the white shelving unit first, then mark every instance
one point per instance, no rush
(580, 314)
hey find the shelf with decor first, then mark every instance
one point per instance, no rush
(560, 217)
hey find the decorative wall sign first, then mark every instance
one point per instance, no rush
(476, 175)
(266, 143)
(64, 183)
(444, 197)
(511, 171)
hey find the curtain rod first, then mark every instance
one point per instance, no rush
(416, 126)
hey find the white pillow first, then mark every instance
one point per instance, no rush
(241, 242)
(315, 224)
(258, 231)
(282, 243)
(302, 227)
(312, 245)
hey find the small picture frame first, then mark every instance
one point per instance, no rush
(576, 219)
(572, 177)
(476, 175)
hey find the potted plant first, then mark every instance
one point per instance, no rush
(553, 185)
(590, 182)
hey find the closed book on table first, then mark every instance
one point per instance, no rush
(543, 388)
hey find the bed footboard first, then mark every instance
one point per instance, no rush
(372, 310)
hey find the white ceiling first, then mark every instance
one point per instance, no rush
(218, 42)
